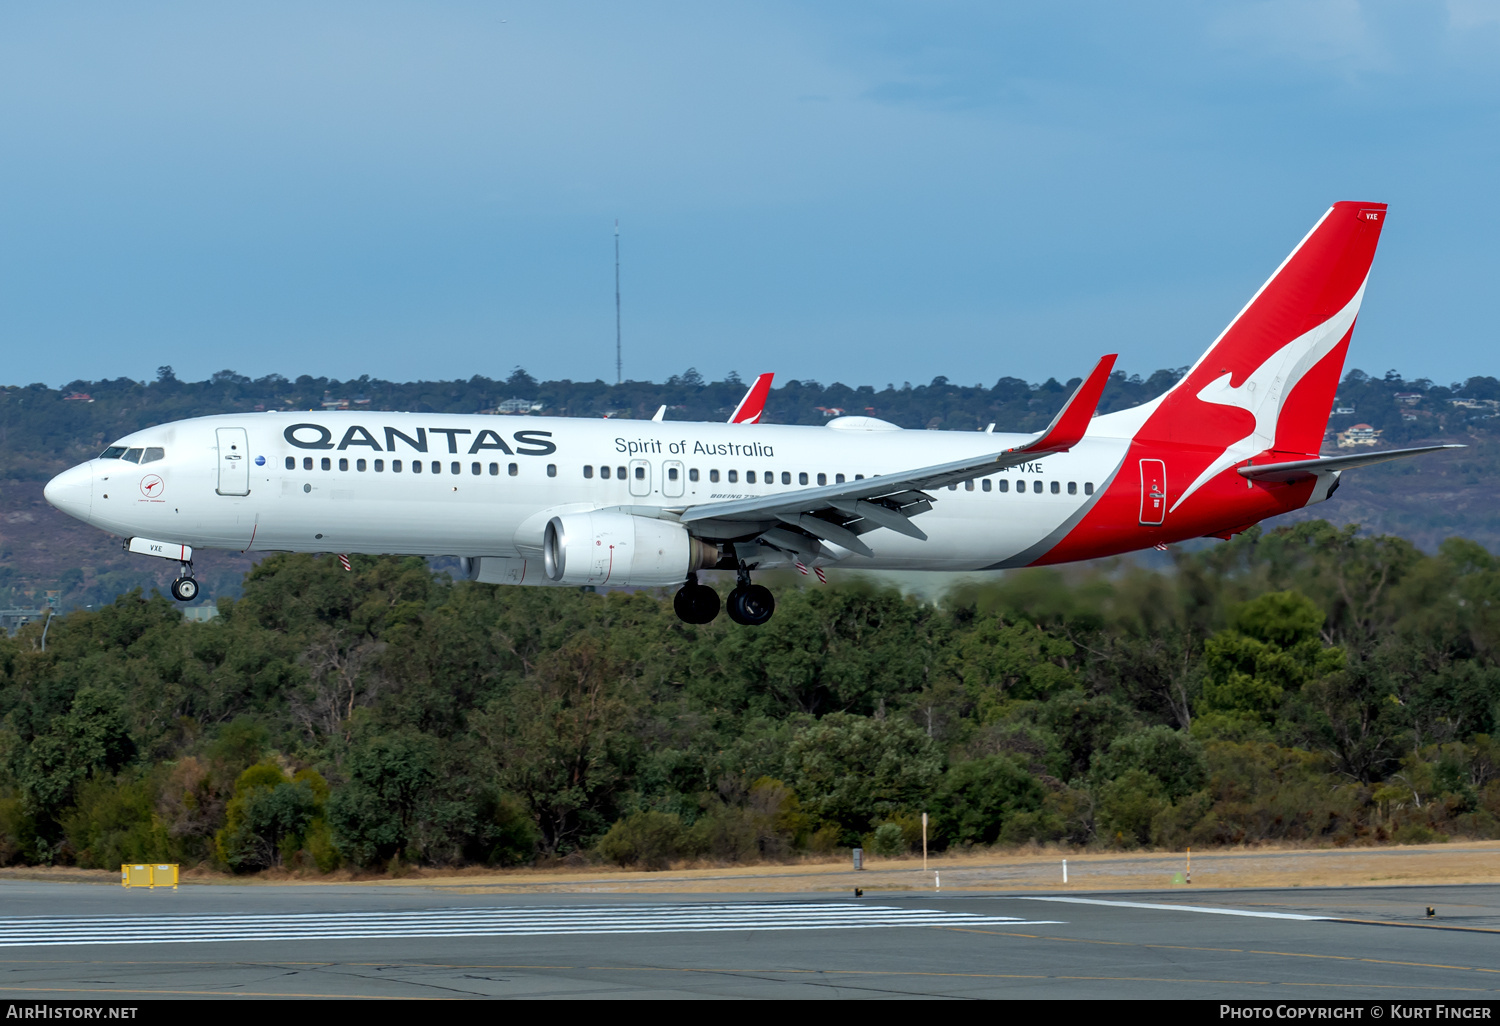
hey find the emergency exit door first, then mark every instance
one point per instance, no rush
(234, 462)
(1153, 491)
(640, 478)
(673, 479)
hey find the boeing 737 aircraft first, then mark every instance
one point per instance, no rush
(651, 503)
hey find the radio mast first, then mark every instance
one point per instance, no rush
(619, 376)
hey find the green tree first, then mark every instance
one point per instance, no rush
(378, 813)
(851, 770)
(982, 801)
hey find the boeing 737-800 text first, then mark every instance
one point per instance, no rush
(651, 503)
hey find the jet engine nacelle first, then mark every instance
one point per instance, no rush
(602, 547)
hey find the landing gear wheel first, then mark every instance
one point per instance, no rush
(184, 589)
(750, 604)
(696, 603)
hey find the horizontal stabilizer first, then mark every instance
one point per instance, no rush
(1296, 470)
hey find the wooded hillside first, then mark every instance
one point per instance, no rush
(1304, 684)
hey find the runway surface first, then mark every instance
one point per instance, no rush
(77, 942)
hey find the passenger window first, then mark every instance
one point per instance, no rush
(588, 472)
(1036, 486)
(552, 470)
(343, 463)
(713, 475)
(693, 474)
(360, 465)
(749, 476)
(455, 468)
(437, 466)
(513, 469)
(416, 466)
(132, 455)
(291, 463)
(1088, 488)
(801, 478)
(395, 466)
(307, 463)
(380, 466)
(822, 479)
(953, 487)
(859, 477)
(986, 484)
(640, 473)
(153, 454)
(838, 478)
(327, 463)
(968, 486)
(620, 473)
(475, 469)
(786, 477)
(1056, 487)
(671, 473)
(494, 470)
(604, 473)
(734, 475)
(1004, 484)
(1072, 487)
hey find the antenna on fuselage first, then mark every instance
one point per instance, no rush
(619, 376)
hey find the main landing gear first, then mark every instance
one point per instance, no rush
(696, 603)
(748, 604)
(185, 589)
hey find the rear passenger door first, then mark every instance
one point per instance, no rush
(234, 461)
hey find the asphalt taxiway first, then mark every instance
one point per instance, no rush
(79, 942)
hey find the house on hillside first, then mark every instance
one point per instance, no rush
(1359, 434)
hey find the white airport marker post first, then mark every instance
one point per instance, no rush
(1065, 870)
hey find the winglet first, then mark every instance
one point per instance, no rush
(1068, 427)
(754, 403)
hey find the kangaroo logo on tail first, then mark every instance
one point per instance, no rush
(1267, 383)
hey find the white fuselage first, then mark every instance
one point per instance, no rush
(488, 485)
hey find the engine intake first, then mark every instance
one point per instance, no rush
(620, 549)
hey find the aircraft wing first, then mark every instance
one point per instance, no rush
(754, 402)
(1294, 470)
(839, 513)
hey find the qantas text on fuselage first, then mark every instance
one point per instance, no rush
(612, 503)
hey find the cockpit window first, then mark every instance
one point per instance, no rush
(114, 452)
(153, 454)
(132, 456)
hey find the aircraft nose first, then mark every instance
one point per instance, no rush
(72, 491)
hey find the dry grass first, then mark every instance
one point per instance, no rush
(1033, 869)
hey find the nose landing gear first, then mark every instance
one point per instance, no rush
(696, 603)
(185, 588)
(750, 604)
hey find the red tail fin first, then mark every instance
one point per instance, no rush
(1268, 382)
(754, 403)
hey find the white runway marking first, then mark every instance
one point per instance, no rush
(1188, 908)
(479, 922)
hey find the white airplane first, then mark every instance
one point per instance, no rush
(645, 503)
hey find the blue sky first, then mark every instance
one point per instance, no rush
(867, 193)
